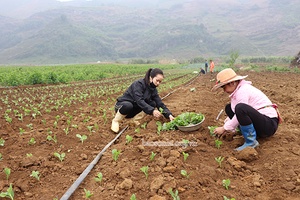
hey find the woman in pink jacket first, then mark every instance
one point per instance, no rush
(249, 108)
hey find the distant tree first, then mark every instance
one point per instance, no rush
(233, 57)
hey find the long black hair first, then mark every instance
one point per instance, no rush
(152, 73)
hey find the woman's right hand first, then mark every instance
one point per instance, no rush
(156, 114)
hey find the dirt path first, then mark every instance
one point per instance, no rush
(272, 173)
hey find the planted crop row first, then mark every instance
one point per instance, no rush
(20, 75)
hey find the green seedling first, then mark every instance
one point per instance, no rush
(81, 137)
(226, 198)
(104, 117)
(226, 183)
(88, 194)
(9, 193)
(21, 131)
(7, 172)
(133, 197)
(152, 156)
(184, 173)
(61, 156)
(174, 195)
(49, 138)
(35, 174)
(185, 142)
(218, 143)
(99, 177)
(161, 110)
(66, 130)
(55, 124)
(30, 126)
(211, 130)
(28, 154)
(159, 127)
(75, 126)
(31, 141)
(137, 130)
(90, 128)
(8, 119)
(2, 141)
(128, 139)
(219, 160)
(1, 158)
(145, 170)
(115, 154)
(144, 125)
(185, 156)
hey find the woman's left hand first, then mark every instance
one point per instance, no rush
(171, 117)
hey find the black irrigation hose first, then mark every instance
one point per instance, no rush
(87, 170)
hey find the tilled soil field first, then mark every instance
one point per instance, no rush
(271, 172)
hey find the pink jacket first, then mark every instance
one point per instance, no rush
(248, 94)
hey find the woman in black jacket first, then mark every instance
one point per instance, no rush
(141, 96)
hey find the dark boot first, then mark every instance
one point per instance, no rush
(249, 134)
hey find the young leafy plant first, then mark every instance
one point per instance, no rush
(185, 156)
(128, 139)
(211, 130)
(218, 143)
(226, 198)
(137, 130)
(7, 172)
(61, 156)
(1, 157)
(115, 154)
(99, 177)
(49, 138)
(88, 194)
(2, 142)
(145, 170)
(133, 197)
(31, 141)
(81, 137)
(185, 142)
(9, 193)
(144, 125)
(159, 127)
(152, 155)
(35, 174)
(174, 195)
(226, 183)
(219, 160)
(184, 173)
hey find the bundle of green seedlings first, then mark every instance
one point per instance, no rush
(184, 119)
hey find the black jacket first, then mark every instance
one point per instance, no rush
(141, 94)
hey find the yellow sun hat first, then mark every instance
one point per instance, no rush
(226, 76)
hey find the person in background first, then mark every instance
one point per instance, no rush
(141, 96)
(211, 66)
(249, 108)
(206, 66)
(201, 71)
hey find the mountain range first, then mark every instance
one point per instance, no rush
(54, 32)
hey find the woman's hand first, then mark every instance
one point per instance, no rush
(156, 114)
(171, 117)
(219, 131)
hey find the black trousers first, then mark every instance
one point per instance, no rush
(246, 115)
(130, 109)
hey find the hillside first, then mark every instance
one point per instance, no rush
(74, 34)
